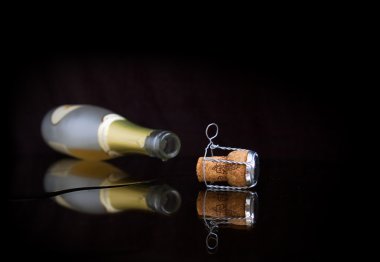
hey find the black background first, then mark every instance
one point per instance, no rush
(283, 97)
(292, 99)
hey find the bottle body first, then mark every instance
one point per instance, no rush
(94, 133)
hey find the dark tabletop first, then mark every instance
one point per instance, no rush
(294, 217)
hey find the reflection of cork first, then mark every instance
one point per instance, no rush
(236, 204)
(223, 204)
(215, 206)
(234, 174)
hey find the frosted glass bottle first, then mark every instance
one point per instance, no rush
(133, 194)
(94, 133)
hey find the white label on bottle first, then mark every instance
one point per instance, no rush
(61, 111)
(103, 132)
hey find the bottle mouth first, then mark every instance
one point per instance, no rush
(163, 144)
(169, 145)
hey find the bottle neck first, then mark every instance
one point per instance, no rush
(126, 137)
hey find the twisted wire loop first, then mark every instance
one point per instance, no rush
(213, 146)
(212, 239)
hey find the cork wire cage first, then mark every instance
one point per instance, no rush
(238, 170)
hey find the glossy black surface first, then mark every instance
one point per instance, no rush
(294, 221)
(285, 100)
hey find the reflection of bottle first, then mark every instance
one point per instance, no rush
(95, 133)
(235, 209)
(71, 174)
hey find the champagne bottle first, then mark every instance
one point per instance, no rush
(133, 194)
(94, 133)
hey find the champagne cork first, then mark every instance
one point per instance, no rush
(233, 174)
(211, 175)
